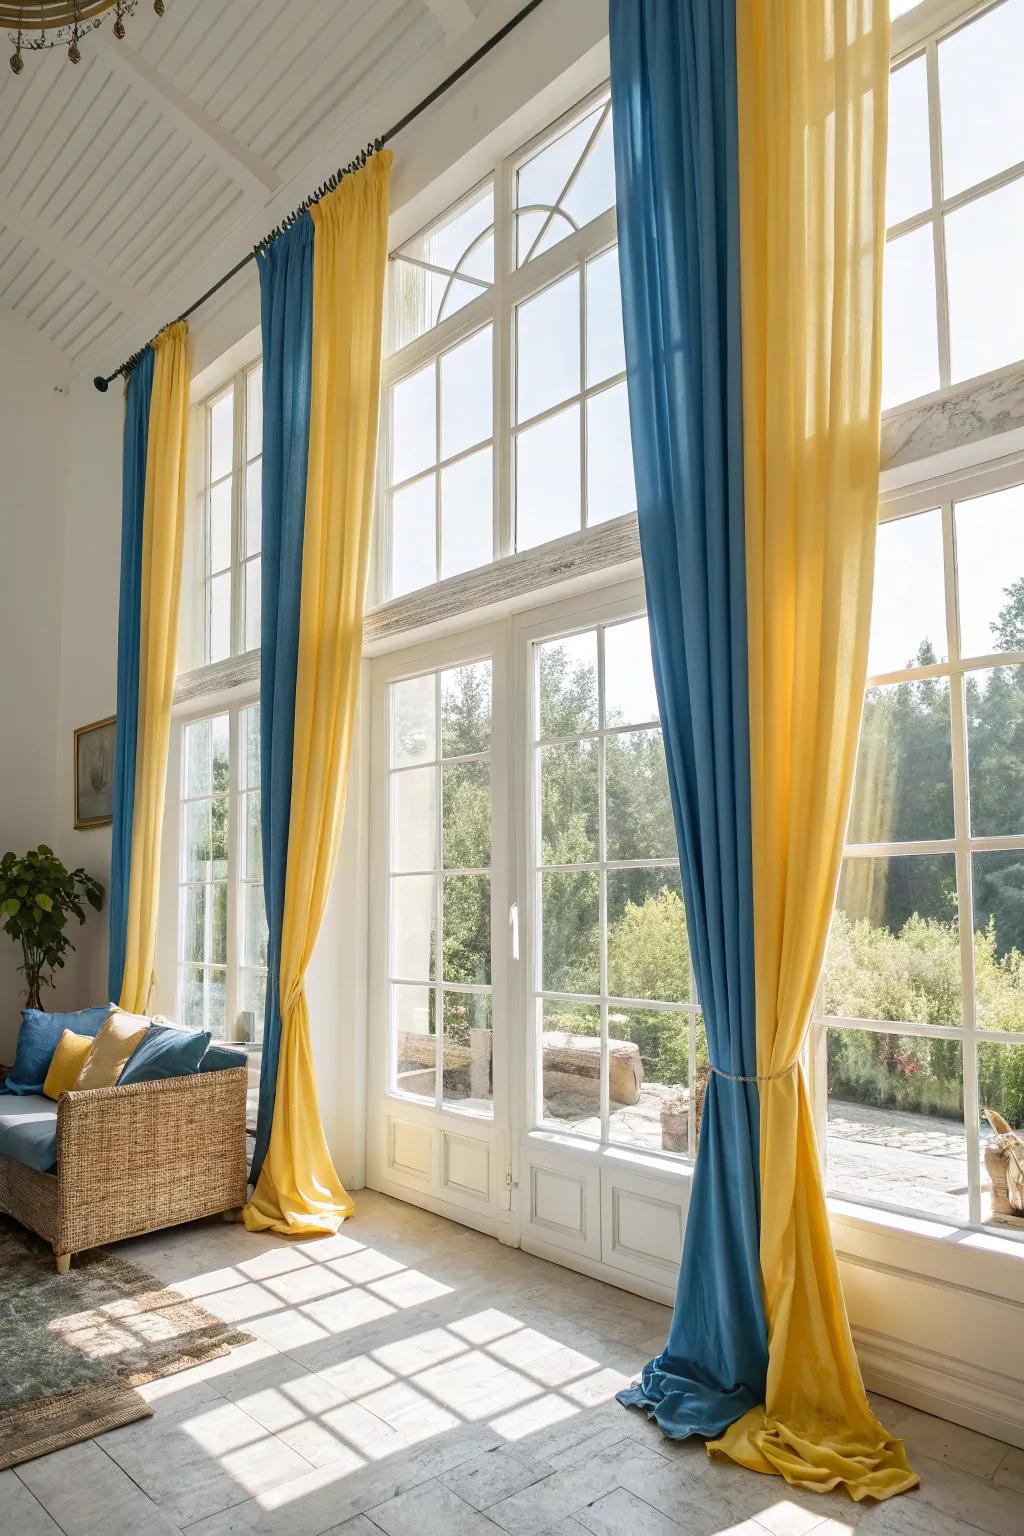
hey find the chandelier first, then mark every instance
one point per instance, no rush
(52, 23)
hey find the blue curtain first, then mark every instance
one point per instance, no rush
(138, 394)
(286, 312)
(673, 74)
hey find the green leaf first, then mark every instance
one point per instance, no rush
(10, 906)
(44, 901)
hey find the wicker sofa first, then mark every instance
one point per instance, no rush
(131, 1160)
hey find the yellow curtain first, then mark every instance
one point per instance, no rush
(299, 1191)
(163, 532)
(812, 86)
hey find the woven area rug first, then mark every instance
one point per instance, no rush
(74, 1347)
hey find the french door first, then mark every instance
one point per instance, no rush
(536, 1046)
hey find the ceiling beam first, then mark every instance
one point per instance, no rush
(454, 16)
(124, 295)
(246, 169)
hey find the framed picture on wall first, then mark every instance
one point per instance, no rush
(94, 774)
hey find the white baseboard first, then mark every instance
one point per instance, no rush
(937, 1383)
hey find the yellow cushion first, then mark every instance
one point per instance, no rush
(68, 1061)
(116, 1038)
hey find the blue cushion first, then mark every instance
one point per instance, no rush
(165, 1051)
(37, 1041)
(219, 1057)
(28, 1131)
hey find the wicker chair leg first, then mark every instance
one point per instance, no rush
(63, 1262)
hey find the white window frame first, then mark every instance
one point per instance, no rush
(497, 306)
(940, 492)
(918, 34)
(195, 626)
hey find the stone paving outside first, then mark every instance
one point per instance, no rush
(883, 1155)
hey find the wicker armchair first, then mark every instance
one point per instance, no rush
(131, 1160)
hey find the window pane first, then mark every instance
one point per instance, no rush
(466, 385)
(908, 188)
(999, 939)
(467, 1068)
(219, 746)
(412, 927)
(548, 479)
(217, 923)
(192, 990)
(980, 96)
(611, 489)
(413, 424)
(413, 726)
(219, 616)
(568, 803)
(196, 861)
(412, 1015)
(466, 802)
(219, 553)
(459, 242)
(254, 507)
(467, 929)
(466, 709)
(910, 344)
(570, 932)
(254, 412)
(250, 766)
(568, 685)
(222, 432)
(895, 1121)
(648, 1074)
(197, 758)
(630, 697)
(192, 933)
(215, 1003)
(548, 347)
(1001, 1090)
(252, 989)
(570, 1048)
(995, 750)
(638, 811)
(606, 353)
(990, 572)
(908, 608)
(254, 941)
(904, 786)
(986, 301)
(594, 188)
(894, 950)
(253, 848)
(413, 536)
(647, 946)
(414, 820)
(467, 517)
(253, 598)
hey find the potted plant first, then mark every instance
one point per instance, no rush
(37, 895)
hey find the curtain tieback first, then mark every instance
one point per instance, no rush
(765, 1077)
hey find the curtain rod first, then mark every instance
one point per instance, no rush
(103, 383)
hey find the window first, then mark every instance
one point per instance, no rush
(619, 1044)
(953, 307)
(923, 992)
(505, 421)
(439, 886)
(222, 930)
(225, 619)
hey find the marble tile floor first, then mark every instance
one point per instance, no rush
(413, 1377)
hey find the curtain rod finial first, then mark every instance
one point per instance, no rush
(101, 383)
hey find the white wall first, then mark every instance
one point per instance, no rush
(33, 433)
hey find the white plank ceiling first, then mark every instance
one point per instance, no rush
(119, 174)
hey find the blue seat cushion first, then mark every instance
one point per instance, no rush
(220, 1057)
(37, 1041)
(165, 1051)
(28, 1130)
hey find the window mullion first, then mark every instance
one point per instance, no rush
(964, 888)
(938, 222)
(503, 364)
